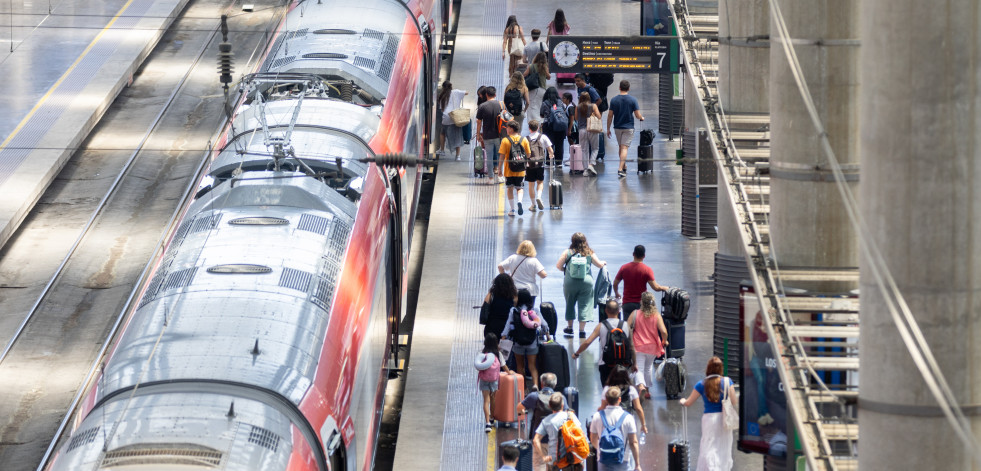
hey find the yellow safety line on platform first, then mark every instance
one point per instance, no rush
(491, 449)
(64, 76)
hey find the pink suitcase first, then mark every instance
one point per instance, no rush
(564, 78)
(510, 392)
(577, 162)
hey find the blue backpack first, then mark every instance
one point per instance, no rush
(557, 118)
(611, 443)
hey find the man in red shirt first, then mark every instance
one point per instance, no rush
(636, 276)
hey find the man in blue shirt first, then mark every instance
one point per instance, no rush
(623, 109)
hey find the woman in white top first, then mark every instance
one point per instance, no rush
(523, 267)
(450, 99)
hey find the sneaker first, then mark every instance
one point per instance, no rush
(511, 213)
(457, 156)
(590, 171)
(520, 209)
(533, 207)
(500, 179)
(568, 332)
(622, 173)
(488, 427)
(582, 334)
(541, 205)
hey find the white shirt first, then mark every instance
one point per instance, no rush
(456, 99)
(526, 273)
(604, 332)
(544, 140)
(627, 428)
(549, 427)
(631, 395)
(533, 48)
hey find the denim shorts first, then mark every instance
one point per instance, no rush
(525, 349)
(486, 385)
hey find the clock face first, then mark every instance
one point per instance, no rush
(566, 54)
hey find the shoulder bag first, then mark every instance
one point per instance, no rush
(730, 416)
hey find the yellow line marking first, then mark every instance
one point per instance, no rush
(63, 76)
(492, 450)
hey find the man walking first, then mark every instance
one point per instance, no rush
(541, 152)
(602, 331)
(623, 109)
(611, 417)
(514, 158)
(636, 277)
(488, 133)
(549, 427)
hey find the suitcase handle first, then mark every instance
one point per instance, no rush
(684, 422)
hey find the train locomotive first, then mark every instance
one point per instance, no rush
(264, 338)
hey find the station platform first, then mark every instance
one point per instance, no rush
(65, 69)
(469, 233)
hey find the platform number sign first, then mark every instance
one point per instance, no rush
(611, 54)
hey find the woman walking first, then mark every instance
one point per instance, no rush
(489, 366)
(524, 269)
(715, 449)
(558, 26)
(502, 297)
(450, 99)
(516, 97)
(649, 337)
(512, 33)
(538, 68)
(577, 286)
(588, 140)
(523, 330)
(552, 127)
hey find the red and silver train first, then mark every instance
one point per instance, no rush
(264, 337)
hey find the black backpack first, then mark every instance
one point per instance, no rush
(512, 101)
(517, 159)
(674, 305)
(519, 333)
(531, 80)
(617, 350)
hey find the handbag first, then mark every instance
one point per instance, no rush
(730, 416)
(460, 116)
(594, 125)
(484, 313)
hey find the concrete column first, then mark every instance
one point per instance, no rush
(744, 76)
(808, 226)
(920, 118)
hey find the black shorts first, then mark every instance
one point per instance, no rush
(535, 174)
(516, 182)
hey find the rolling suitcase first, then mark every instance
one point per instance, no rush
(524, 450)
(678, 449)
(676, 338)
(479, 167)
(577, 163)
(561, 78)
(572, 399)
(510, 392)
(547, 310)
(554, 202)
(553, 358)
(645, 159)
(675, 377)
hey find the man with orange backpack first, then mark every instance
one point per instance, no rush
(568, 446)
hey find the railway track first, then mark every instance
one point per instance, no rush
(70, 272)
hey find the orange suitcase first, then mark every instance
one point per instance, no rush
(510, 392)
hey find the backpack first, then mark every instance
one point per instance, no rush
(573, 446)
(539, 413)
(617, 349)
(557, 119)
(531, 81)
(538, 153)
(503, 118)
(517, 159)
(578, 266)
(674, 305)
(611, 442)
(512, 101)
(493, 373)
(519, 333)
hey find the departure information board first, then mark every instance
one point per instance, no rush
(611, 54)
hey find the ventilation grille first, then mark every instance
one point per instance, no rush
(239, 269)
(152, 289)
(373, 34)
(169, 454)
(311, 223)
(388, 59)
(334, 31)
(295, 279)
(281, 62)
(259, 221)
(182, 232)
(180, 278)
(338, 239)
(323, 294)
(205, 223)
(364, 63)
(330, 266)
(272, 51)
(83, 438)
(264, 438)
(324, 55)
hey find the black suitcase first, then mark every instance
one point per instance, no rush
(591, 462)
(675, 378)
(547, 310)
(676, 339)
(553, 358)
(679, 449)
(645, 159)
(572, 399)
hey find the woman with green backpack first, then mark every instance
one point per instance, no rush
(577, 285)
